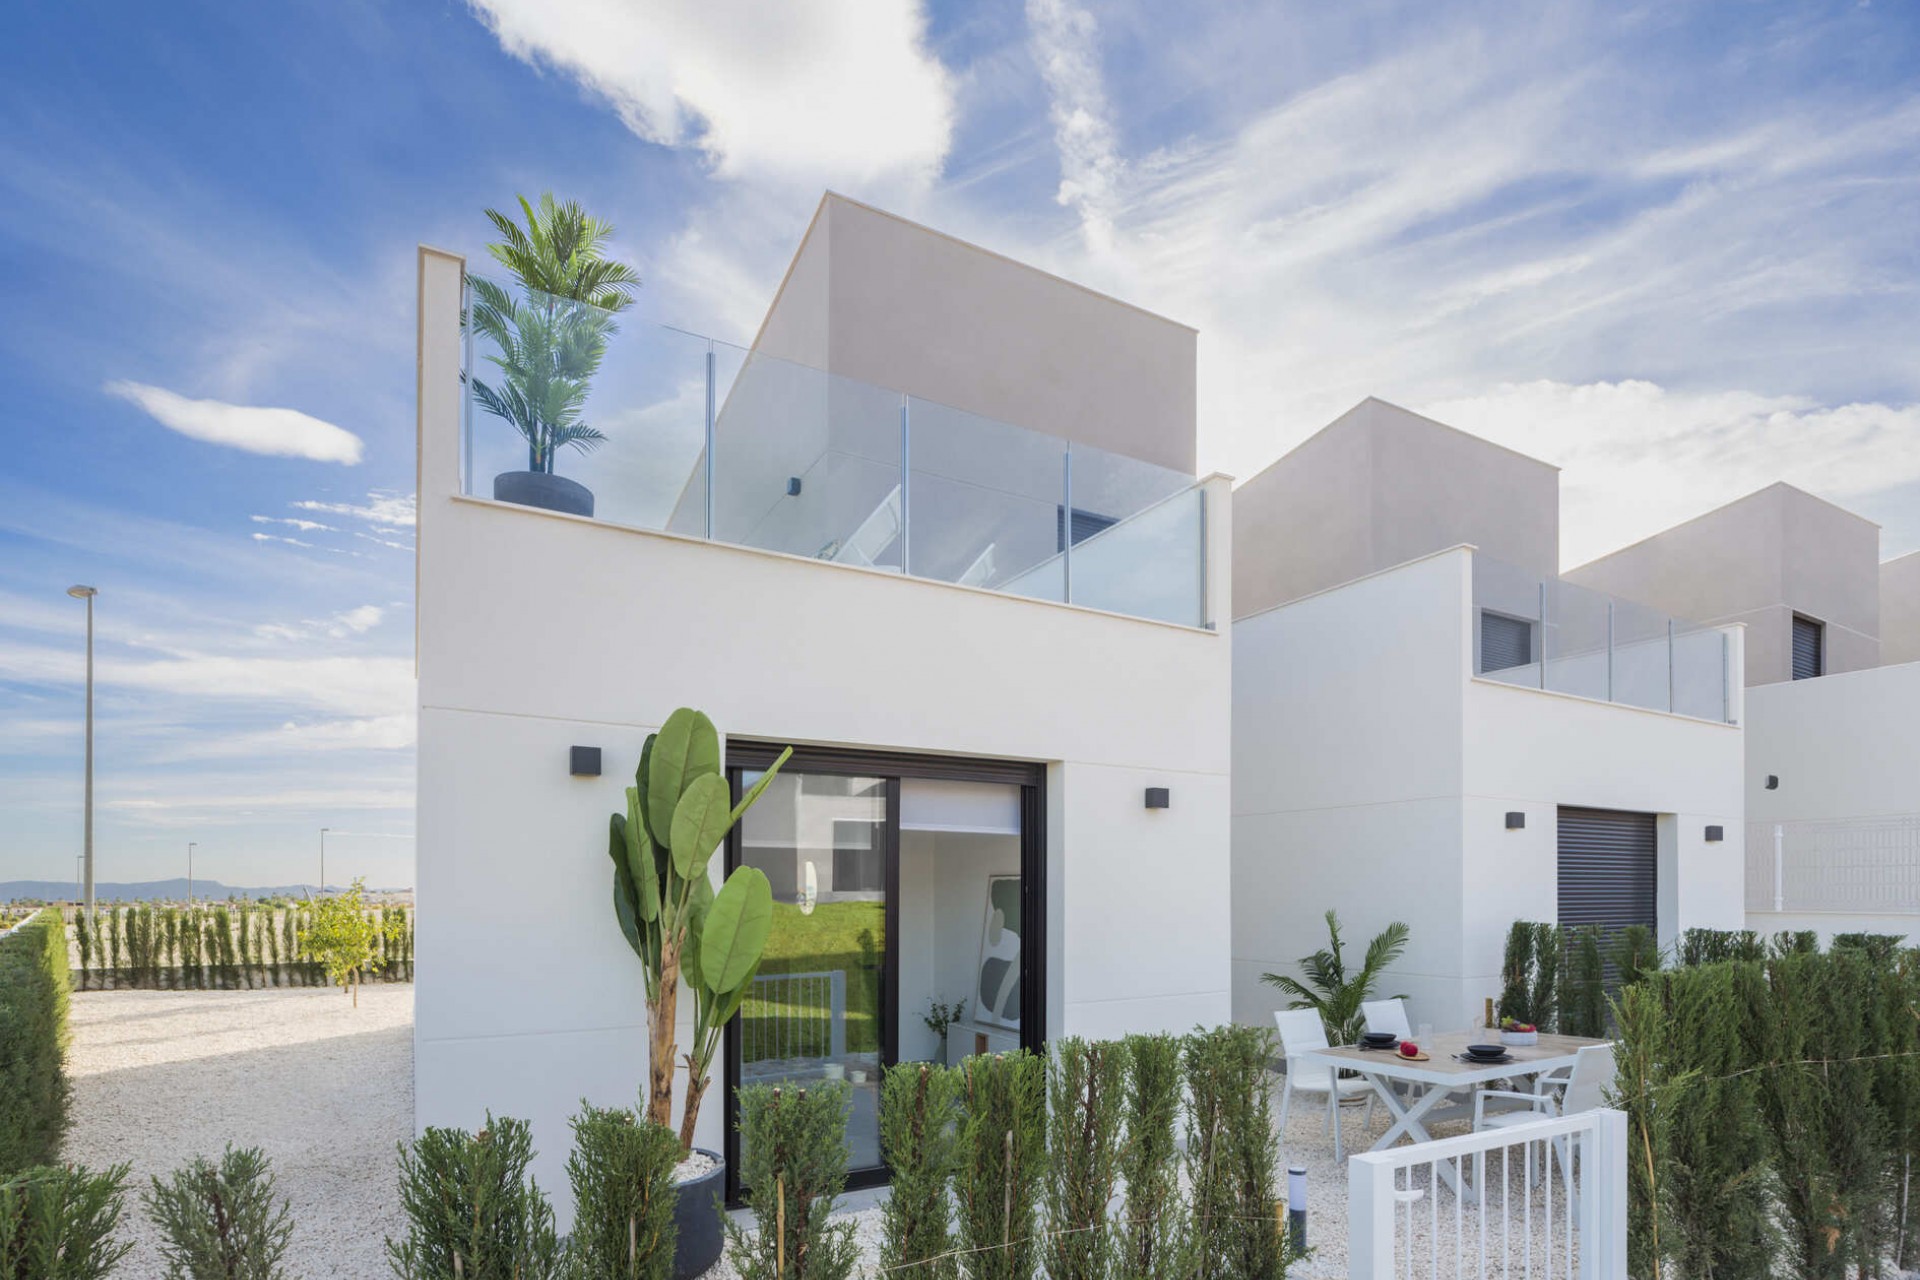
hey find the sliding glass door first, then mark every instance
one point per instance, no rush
(903, 886)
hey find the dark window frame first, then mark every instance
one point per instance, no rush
(1480, 667)
(1819, 647)
(744, 755)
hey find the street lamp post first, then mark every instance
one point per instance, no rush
(87, 594)
(323, 860)
(190, 845)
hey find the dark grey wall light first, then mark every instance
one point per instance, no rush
(1715, 834)
(1159, 798)
(583, 762)
(1516, 820)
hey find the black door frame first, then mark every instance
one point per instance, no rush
(745, 755)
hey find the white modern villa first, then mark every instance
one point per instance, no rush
(1431, 726)
(938, 529)
(1833, 704)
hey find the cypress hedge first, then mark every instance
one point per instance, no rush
(33, 1042)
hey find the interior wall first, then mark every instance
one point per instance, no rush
(943, 888)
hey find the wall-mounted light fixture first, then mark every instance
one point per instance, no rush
(583, 762)
(793, 486)
(1716, 834)
(1159, 798)
(1773, 782)
(1516, 820)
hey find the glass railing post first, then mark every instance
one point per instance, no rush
(1206, 591)
(906, 486)
(1066, 523)
(1543, 633)
(1726, 678)
(1669, 664)
(466, 383)
(709, 429)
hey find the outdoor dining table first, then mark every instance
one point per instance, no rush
(1445, 1074)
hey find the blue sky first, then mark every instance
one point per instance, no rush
(1673, 248)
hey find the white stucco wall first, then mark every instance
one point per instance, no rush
(1843, 746)
(1900, 609)
(538, 632)
(1372, 774)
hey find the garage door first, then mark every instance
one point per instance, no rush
(1608, 861)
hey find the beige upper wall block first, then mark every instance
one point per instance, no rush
(1380, 486)
(1759, 560)
(1900, 609)
(874, 297)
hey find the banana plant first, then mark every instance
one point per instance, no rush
(679, 808)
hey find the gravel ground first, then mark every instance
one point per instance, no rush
(324, 1088)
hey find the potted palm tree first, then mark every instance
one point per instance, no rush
(1331, 990)
(549, 336)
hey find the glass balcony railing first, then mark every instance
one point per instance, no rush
(1544, 633)
(572, 408)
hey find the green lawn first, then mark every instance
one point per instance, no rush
(848, 936)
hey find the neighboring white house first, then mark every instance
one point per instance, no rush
(1833, 714)
(1429, 733)
(1012, 780)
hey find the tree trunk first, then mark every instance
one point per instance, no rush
(696, 1089)
(661, 1012)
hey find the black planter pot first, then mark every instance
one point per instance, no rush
(548, 492)
(696, 1220)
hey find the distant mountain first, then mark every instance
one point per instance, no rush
(155, 890)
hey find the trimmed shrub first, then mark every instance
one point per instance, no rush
(1086, 1086)
(1530, 974)
(57, 1223)
(1635, 953)
(1791, 942)
(33, 1042)
(1152, 1226)
(1002, 1163)
(1232, 1153)
(621, 1171)
(1712, 946)
(793, 1167)
(919, 1136)
(222, 1221)
(472, 1211)
(1583, 991)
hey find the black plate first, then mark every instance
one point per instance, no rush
(1379, 1037)
(1486, 1051)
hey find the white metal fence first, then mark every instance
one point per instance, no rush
(1538, 1200)
(1863, 866)
(790, 1016)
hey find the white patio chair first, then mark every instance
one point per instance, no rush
(1388, 1015)
(1300, 1032)
(1391, 1016)
(1582, 1088)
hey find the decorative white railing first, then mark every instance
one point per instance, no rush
(790, 1016)
(1860, 866)
(1543, 1199)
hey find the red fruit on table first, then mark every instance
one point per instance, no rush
(1408, 1049)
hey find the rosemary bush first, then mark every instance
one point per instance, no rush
(1002, 1163)
(621, 1171)
(472, 1211)
(1086, 1089)
(1232, 1153)
(793, 1167)
(1151, 1230)
(57, 1223)
(919, 1136)
(222, 1221)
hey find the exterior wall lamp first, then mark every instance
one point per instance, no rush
(1516, 820)
(1159, 798)
(583, 762)
(1716, 834)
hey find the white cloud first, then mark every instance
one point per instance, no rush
(296, 738)
(1065, 46)
(357, 621)
(304, 526)
(1637, 458)
(284, 433)
(382, 508)
(274, 537)
(363, 687)
(841, 92)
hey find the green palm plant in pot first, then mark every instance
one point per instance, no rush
(548, 340)
(1333, 992)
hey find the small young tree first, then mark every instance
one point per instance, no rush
(1003, 1160)
(222, 1222)
(1232, 1153)
(621, 1171)
(1086, 1087)
(793, 1167)
(1330, 990)
(342, 938)
(57, 1222)
(472, 1211)
(1152, 1226)
(919, 1103)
